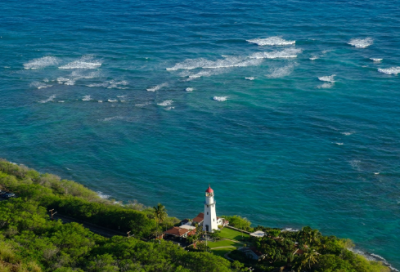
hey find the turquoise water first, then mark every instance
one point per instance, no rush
(286, 116)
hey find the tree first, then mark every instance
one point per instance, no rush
(310, 258)
(160, 213)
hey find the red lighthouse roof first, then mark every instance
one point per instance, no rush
(209, 190)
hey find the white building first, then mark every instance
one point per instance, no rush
(210, 222)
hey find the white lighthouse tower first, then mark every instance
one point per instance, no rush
(210, 222)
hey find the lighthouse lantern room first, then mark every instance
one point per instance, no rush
(210, 222)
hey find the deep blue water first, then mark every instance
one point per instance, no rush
(311, 137)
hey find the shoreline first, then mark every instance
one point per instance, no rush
(369, 256)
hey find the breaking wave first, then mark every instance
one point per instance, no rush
(249, 78)
(284, 54)
(227, 62)
(327, 78)
(40, 85)
(158, 87)
(271, 41)
(220, 98)
(41, 63)
(189, 89)
(50, 99)
(165, 103)
(376, 60)
(390, 71)
(361, 43)
(327, 85)
(86, 98)
(83, 63)
(281, 72)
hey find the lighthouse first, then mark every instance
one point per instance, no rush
(210, 222)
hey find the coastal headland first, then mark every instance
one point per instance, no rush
(53, 224)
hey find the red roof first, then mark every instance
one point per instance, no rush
(209, 190)
(176, 231)
(199, 218)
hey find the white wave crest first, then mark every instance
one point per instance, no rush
(102, 195)
(361, 43)
(284, 54)
(158, 87)
(347, 133)
(112, 100)
(83, 63)
(227, 62)
(40, 85)
(165, 103)
(327, 78)
(390, 71)
(249, 78)
(86, 98)
(314, 58)
(50, 99)
(281, 71)
(189, 89)
(271, 41)
(376, 60)
(66, 81)
(41, 63)
(220, 98)
(327, 85)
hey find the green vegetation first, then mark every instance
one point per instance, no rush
(31, 241)
(233, 234)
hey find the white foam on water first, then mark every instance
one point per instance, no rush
(50, 99)
(61, 101)
(227, 62)
(40, 85)
(41, 63)
(113, 84)
(347, 133)
(339, 143)
(45, 80)
(86, 98)
(102, 195)
(66, 81)
(165, 103)
(158, 87)
(169, 108)
(376, 60)
(271, 41)
(376, 173)
(325, 86)
(112, 100)
(142, 104)
(284, 54)
(361, 43)
(281, 71)
(249, 78)
(189, 89)
(100, 101)
(83, 63)
(390, 71)
(329, 79)
(220, 98)
(314, 58)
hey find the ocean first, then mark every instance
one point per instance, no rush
(288, 109)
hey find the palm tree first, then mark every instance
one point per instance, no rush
(310, 257)
(160, 212)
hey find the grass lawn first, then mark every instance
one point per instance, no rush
(222, 243)
(222, 251)
(233, 234)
